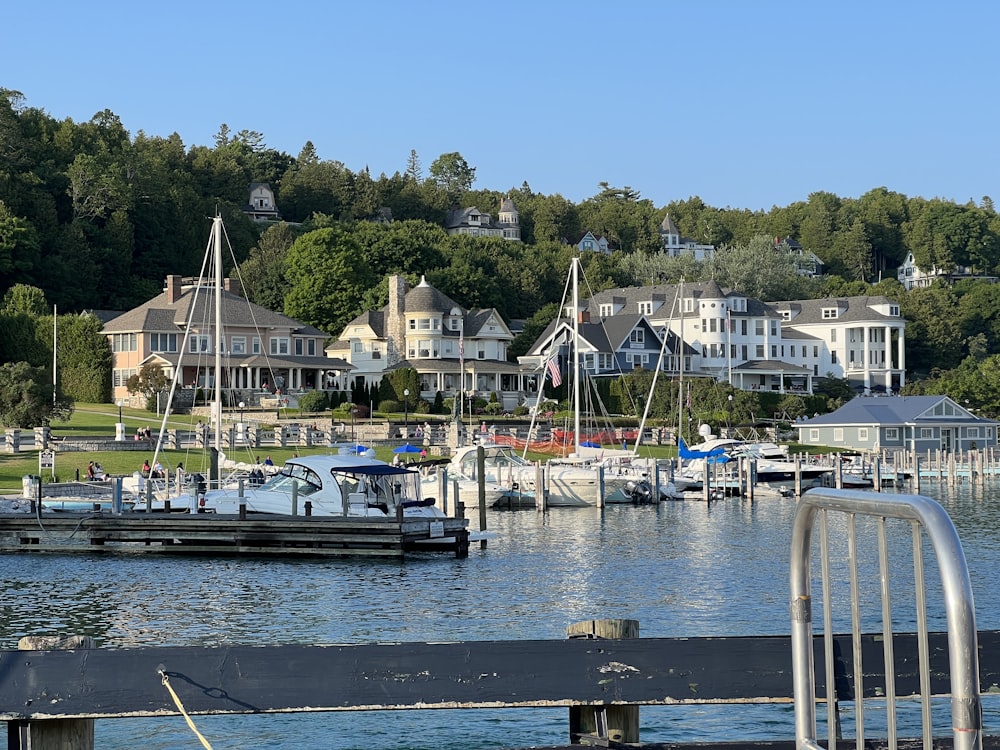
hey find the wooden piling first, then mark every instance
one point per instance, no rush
(53, 734)
(616, 723)
(916, 474)
(877, 474)
(481, 474)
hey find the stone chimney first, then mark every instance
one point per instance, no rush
(395, 324)
(233, 286)
(173, 288)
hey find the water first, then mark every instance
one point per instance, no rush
(680, 569)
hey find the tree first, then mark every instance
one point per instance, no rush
(21, 298)
(26, 397)
(855, 251)
(150, 381)
(756, 269)
(84, 360)
(453, 175)
(263, 273)
(413, 169)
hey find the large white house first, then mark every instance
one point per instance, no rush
(911, 276)
(475, 223)
(778, 346)
(451, 348)
(675, 245)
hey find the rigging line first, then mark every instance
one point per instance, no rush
(179, 368)
(659, 365)
(547, 346)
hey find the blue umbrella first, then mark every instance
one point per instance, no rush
(407, 448)
(358, 449)
(589, 444)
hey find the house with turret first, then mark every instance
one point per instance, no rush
(475, 223)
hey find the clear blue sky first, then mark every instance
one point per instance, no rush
(746, 103)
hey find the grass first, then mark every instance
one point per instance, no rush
(98, 420)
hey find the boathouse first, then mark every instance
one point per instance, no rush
(911, 423)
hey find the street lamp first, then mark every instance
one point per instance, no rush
(243, 428)
(729, 419)
(406, 411)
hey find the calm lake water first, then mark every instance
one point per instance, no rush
(681, 569)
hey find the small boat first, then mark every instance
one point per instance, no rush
(333, 485)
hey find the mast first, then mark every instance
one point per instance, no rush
(576, 356)
(55, 349)
(217, 403)
(680, 371)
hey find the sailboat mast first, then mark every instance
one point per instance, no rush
(55, 350)
(680, 370)
(217, 403)
(576, 356)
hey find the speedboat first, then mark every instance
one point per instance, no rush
(333, 485)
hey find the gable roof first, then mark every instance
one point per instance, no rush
(810, 311)
(892, 411)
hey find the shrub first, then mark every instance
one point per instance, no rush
(494, 408)
(313, 401)
(520, 411)
(389, 405)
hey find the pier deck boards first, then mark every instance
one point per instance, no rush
(217, 534)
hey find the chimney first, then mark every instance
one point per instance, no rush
(395, 325)
(173, 288)
(233, 286)
(584, 316)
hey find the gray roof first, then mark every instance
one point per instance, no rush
(425, 298)
(891, 411)
(851, 309)
(771, 365)
(630, 297)
(160, 315)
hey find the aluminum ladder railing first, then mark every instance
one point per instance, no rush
(925, 516)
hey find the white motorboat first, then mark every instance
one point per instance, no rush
(333, 485)
(772, 464)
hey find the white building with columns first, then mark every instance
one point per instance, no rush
(861, 339)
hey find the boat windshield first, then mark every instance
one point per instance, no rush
(309, 481)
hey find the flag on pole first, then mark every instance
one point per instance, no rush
(554, 371)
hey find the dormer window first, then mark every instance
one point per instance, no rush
(607, 310)
(829, 313)
(688, 304)
(645, 308)
(786, 314)
(894, 310)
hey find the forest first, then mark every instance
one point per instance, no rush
(95, 218)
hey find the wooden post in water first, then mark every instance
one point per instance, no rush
(751, 477)
(838, 472)
(798, 475)
(52, 734)
(951, 467)
(481, 475)
(600, 486)
(619, 724)
(877, 473)
(916, 474)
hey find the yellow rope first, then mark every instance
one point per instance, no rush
(180, 707)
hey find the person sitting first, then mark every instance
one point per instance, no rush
(145, 469)
(268, 461)
(157, 471)
(91, 474)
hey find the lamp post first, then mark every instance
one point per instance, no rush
(729, 418)
(243, 427)
(406, 412)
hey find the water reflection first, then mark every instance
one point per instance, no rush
(681, 569)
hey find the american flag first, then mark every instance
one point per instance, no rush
(554, 372)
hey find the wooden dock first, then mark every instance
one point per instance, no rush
(258, 535)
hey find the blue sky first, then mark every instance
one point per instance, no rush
(746, 104)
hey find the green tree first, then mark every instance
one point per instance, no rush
(263, 273)
(453, 176)
(756, 269)
(84, 360)
(26, 397)
(149, 381)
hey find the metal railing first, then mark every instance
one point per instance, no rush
(925, 516)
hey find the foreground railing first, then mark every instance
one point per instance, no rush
(925, 516)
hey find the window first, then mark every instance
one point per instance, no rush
(829, 313)
(424, 324)
(894, 309)
(759, 351)
(163, 342)
(298, 347)
(607, 310)
(198, 343)
(688, 304)
(838, 434)
(891, 433)
(833, 358)
(256, 345)
(863, 434)
(758, 328)
(279, 345)
(774, 328)
(813, 436)
(124, 342)
(972, 432)
(645, 308)
(311, 347)
(357, 347)
(815, 351)
(926, 433)
(637, 336)
(239, 344)
(743, 327)
(774, 351)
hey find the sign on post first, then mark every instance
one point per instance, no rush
(46, 460)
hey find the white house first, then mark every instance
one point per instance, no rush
(674, 245)
(858, 338)
(912, 277)
(261, 205)
(451, 348)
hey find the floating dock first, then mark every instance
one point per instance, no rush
(257, 535)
